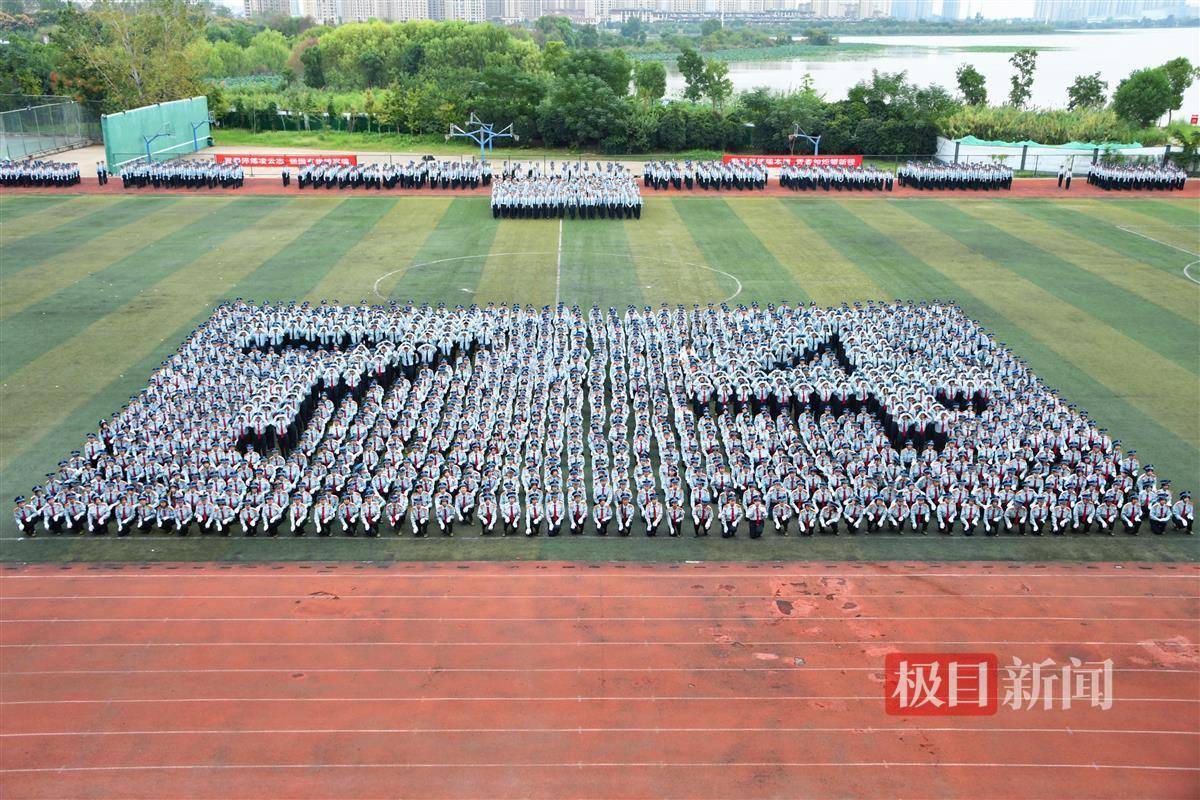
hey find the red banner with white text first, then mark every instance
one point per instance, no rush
(286, 159)
(798, 161)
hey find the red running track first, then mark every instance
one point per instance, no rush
(555, 680)
(1022, 187)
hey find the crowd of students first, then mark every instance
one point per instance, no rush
(902, 418)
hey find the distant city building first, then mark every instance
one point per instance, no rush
(325, 12)
(464, 10)
(912, 9)
(873, 9)
(953, 9)
(268, 8)
(1079, 10)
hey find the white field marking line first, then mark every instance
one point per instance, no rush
(386, 275)
(472, 670)
(558, 267)
(578, 574)
(874, 698)
(705, 597)
(1186, 267)
(577, 765)
(772, 617)
(309, 731)
(642, 643)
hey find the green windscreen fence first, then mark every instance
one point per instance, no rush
(158, 132)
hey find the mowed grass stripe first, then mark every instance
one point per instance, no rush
(1156, 388)
(294, 271)
(13, 207)
(871, 251)
(29, 286)
(1180, 212)
(677, 271)
(1152, 285)
(104, 221)
(39, 427)
(825, 275)
(729, 245)
(466, 229)
(1100, 226)
(1089, 293)
(598, 266)
(388, 245)
(1172, 236)
(521, 264)
(35, 221)
(913, 278)
(51, 321)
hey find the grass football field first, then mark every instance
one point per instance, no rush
(96, 290)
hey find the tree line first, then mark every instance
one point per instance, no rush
(556, 84)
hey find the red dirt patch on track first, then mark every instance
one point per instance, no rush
(570, 680)
(1028, 187)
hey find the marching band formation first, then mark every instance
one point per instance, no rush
(799, 178)
(183, 173)
(53, 174)
(1160, 177)
(413, 175)
(574, 191)
(291, 418)
(936, 175)
(715, 175)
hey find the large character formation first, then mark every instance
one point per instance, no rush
(297, 418)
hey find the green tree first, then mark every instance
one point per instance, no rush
(972, 85)
(268, 52)
(694, 71)
(554, 53)
(819, 37)
(1180, 74)
(587, 37)
(580, 110)
(1024, 63)
(650, 80)
(611, 66)
(314, 67)
(634, 29)
(717, 86)
(371, 68)
(136, 53)
(554, 28)
(710, 26)
(1144, 96)
(1088, 91)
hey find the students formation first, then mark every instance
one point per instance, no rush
(1136, 177)
(573, 190)
(413, 175)
(714, 175)
(43, 174)
(955, 175)
(497, 420)
(801, 178)
(182, 174)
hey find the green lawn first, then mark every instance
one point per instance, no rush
(96, 290)
(386, 142)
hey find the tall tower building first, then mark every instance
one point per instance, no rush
(267, 8)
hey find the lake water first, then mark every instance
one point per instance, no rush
(1113, 53)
